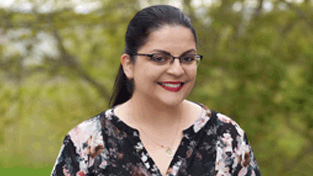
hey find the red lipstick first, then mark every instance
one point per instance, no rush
(172, 82)
(173, 86)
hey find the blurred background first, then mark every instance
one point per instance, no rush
(58, 61)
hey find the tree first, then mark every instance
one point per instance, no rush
(58, 66)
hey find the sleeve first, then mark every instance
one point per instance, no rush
(68, 162)
(234, 153)
(246, 164)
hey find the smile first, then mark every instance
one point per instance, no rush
(173, 86)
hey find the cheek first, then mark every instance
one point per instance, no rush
(192, 78)
(145, 77)
(192, 74)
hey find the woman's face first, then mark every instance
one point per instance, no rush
(166, 84)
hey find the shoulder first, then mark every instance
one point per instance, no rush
(86, 129)
(227, 125)
(87, 136)
(229, 134)
(234, 153)
(82, 145)
(221, 122)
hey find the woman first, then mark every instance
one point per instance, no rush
(151, 129)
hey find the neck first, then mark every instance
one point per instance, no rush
(152, 115)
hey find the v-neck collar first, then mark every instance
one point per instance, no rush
(186, 145)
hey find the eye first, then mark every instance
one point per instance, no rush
(159, 58)
(189, 58)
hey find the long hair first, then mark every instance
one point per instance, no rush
(142, 24)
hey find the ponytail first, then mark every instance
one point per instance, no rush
(123, 89)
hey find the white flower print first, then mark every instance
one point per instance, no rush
(147, 165)
(144, 158)
(201, 121)
(105, 143)
(227, 140)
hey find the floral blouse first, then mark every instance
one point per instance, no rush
(106, 146)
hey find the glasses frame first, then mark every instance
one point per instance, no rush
(198, 58)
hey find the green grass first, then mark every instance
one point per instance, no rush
(19, 171)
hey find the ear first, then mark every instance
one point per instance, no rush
(128, 66)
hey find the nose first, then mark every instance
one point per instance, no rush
(175, 68)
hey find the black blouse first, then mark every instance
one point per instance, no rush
(105, 145)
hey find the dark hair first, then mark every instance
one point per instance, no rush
(143, 23)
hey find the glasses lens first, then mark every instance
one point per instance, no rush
(189, 59)
(160, 58)
(198, 59)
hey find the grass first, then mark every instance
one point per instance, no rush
(17, 171)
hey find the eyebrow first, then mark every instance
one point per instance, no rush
(168, 53)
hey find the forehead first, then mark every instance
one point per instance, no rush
(174, 39)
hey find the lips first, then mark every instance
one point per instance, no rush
(173, 86)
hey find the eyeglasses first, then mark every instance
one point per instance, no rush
(189, 60)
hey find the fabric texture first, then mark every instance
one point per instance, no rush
(106, 146)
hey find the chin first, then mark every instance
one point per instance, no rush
(172, 101)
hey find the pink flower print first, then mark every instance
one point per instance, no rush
(91, 162)
(80, 173)
(221, 169)
(243, 171)
(66, 172)
(189, 152)
(103, 164)
(227, 140)
(224, 118)
(200, 123)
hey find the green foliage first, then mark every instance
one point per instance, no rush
(58, 68)
(14, 171)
